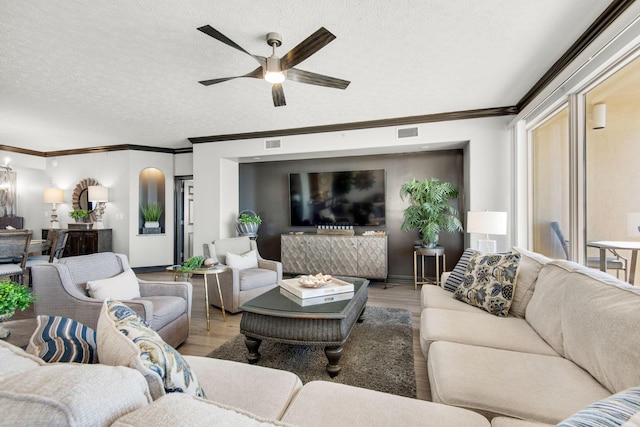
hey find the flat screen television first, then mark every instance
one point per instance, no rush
(352, 198)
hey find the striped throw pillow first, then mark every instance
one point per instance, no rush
(456, 277)
(60, 339)
(621, 409)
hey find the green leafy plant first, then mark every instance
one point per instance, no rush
(192, 263)
(13, 296)
(430, 211)
(79, 214)
(152, 212)
(246, 218)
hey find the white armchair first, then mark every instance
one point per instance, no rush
(241, 284)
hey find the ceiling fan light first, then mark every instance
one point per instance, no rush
(274, 77)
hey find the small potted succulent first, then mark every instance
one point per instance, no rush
(248, 223)
(12, 296)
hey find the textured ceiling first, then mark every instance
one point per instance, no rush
(77, 74)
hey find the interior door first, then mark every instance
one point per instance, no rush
(188, 220)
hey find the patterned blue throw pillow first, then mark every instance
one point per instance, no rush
(60, 339)
(621, 409)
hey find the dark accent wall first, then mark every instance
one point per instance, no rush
(264, 188)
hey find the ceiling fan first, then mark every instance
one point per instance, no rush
(275, 70)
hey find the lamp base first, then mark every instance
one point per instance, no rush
(54, 224)
(487, 246)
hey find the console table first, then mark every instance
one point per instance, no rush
(355, 256)
(85, 242)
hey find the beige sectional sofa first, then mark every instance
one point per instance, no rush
(33, 392)
(572, 339)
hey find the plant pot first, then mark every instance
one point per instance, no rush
(430, 243)
(151, 224)
(248, 229)
(80, 225)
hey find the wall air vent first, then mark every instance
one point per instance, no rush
(271, 144)
(407, 132)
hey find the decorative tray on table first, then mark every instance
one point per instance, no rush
(304, 287)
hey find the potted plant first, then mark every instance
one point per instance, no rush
(151, 214)
(430, 212)
(12, 296)
(192, 263)
(248, 223)
(80, 215)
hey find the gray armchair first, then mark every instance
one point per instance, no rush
(238, 285)
(60, 289)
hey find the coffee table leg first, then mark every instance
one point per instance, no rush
(333, 356)
(361, 317)
(253, 344)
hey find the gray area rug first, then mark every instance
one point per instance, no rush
(378, 354)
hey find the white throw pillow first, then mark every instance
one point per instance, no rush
(244, 261)
(124, 286)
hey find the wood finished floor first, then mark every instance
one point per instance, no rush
(201, 342)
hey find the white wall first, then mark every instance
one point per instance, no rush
(488, 184)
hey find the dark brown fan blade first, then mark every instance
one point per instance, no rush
(209, 30)
(256, 74)
(308, 77)
(306, 48)
(278, 95)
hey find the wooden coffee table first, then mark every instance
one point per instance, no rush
(272, 316)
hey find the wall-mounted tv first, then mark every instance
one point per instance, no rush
(352, 198)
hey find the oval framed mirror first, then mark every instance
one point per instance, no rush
(80, 197)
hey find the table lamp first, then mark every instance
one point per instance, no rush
(53, 196)
(100, 195)
(486, 223)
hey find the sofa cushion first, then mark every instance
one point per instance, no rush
(166, 309)
(516, 384)
(253, 278)
(621, 409)
(324, 403)
(530, 265)
(70, 394)
(125, 339)
(123, 286)
(488, 282)
(544, 311)
(181, 410)
(514, 422)
(60, 339)
(230, 383)
(14, 360)
(436, 297)
(597, 315)
(243, 261)
(481, 329)
(456, 277)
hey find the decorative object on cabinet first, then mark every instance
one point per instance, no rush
(248, 223)
(84, 242)
(53, 196)
(357, 256)
(429, 211)
(100, 195)
(80, 216)
(80, 197)
(486, 223)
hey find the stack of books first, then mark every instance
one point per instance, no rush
(335, 290)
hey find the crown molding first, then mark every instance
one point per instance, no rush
(399, 121)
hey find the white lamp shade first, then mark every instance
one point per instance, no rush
(53, 195)
(98, 193)
(487, 222)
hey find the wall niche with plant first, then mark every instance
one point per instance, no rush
(151, 196)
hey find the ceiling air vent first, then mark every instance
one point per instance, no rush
(271, 144)
(408, 132)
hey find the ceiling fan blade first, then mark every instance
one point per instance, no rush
(278, 95)
(256, 74)
(308, 77)
(210, 31)
(306, 48)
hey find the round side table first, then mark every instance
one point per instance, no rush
(421, 252)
